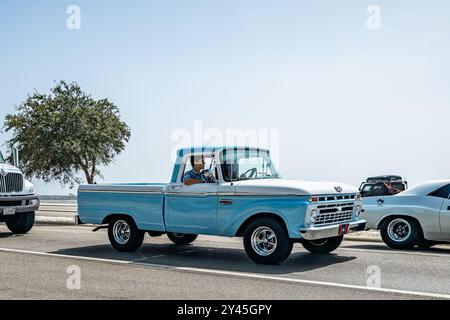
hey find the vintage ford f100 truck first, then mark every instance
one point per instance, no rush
(242, 196)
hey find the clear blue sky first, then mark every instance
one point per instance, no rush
(348, 101)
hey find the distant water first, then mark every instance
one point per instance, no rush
(59, 201)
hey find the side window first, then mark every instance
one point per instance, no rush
(366, 190)
(380, 190)
(209, 164)
(442, 192)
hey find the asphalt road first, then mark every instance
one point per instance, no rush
(35, 266)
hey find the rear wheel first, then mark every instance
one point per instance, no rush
(21, 222)
(124, 235)
(266, 241)
(400, 232)
(322, 246)
(181, 238)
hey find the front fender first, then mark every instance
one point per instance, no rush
(290, 209)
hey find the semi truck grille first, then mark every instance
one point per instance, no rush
(11, 182)
(10, 203)
(334, 213)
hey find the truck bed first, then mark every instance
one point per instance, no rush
(143, 201)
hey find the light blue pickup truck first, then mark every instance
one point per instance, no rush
(242, 195)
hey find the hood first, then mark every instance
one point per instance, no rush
(9, 168)
(292, 187)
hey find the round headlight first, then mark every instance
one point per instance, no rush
(358, 211)
(313, 216)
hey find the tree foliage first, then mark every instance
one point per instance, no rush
(66, 132)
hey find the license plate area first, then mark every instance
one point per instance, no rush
(9, 211)
(343, 229)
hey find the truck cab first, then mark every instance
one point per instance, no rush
(242, 195)
(18, 197)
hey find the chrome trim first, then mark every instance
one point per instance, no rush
(11, 182)
(121, 232)
(185, 194)
(322, 232)
(18, 197)
(122, 191)
(249, 194)
(264, 241)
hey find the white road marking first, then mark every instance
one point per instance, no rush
(237, 274)
(410, 253)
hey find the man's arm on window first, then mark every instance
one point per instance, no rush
(189, 182)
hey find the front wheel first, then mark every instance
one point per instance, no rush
(181, 238)
(21, 222)
(124, 235)
(266, 241)
(322, 246)
(400, 232)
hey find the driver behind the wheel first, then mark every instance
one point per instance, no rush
(195, 175)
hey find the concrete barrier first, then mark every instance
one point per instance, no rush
(57, 213)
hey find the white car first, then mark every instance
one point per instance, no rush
(419, 216)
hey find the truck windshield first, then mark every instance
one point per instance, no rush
(2, 160)
(247, 165)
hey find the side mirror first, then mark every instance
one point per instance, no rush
(15, 157)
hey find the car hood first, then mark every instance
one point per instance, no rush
(8, 168)
(291, 187)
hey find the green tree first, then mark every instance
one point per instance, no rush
(66, 132)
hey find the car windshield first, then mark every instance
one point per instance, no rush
(247, 165)
(2, 160)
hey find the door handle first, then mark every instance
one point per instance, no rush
(226, 201)
(380, 201)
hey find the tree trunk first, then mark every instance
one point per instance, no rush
(89, 177)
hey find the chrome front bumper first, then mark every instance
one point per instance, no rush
(322, 232)
(28, 203)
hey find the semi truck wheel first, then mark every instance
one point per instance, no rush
(322, 246)
(21, 222)
(266, 241)
(181, 238)
(124, 235)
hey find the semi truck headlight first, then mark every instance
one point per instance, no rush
(31, 190)
(358, 211)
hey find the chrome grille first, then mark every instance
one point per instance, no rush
(334, 212)
(11, 182)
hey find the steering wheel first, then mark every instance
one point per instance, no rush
(250, 173)
(209, 175)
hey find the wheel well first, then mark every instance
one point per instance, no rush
(108, 218)
(240, 232)
(400, 216)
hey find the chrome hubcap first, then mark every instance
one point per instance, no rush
(399, 230)
(178, 235)
(264, 241)
(121, 232)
